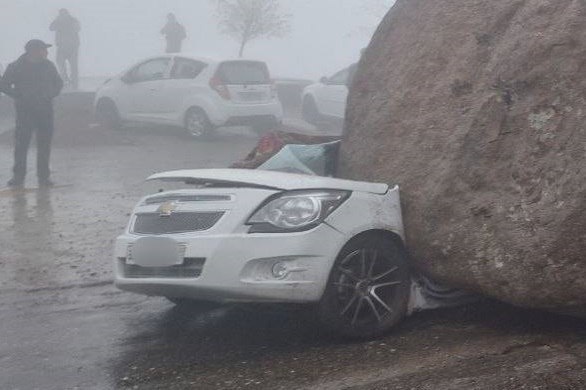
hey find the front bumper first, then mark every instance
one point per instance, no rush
(239, 267)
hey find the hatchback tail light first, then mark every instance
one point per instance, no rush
(217, 85)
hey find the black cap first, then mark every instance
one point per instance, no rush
(35, 44)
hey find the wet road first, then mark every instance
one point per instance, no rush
(64, 326)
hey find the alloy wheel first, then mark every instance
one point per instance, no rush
(365, 282)
(196, 124)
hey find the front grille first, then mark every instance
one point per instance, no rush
(191, 268)
(154, 223)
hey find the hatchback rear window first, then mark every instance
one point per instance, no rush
(244, 72)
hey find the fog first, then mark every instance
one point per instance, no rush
(325, 36)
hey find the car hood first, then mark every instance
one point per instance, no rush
(266, 179)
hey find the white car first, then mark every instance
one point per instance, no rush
(274, 237)
(262, 236)
(326, 100)
(196, 93)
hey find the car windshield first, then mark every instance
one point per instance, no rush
(244, 72)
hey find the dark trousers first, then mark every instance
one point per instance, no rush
(37, 119)
(173, 46)
(68, 55)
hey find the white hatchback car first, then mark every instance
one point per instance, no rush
(196, 93)
(326, 100)
(262, 236)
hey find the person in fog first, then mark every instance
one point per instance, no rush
(32, 81)
(66, 29)
(174, 34)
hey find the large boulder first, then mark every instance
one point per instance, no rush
(477, 109)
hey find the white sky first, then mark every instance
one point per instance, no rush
(326, 35)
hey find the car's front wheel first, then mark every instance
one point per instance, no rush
(310, 112)
(107, 114)
(368, 289)
(197, 123)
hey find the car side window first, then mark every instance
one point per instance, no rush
(186, 69)
(150, 70)
(339, 78)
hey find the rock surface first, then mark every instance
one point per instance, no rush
(477, 109)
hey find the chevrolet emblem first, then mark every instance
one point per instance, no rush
(166, 209)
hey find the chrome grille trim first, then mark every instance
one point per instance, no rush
(158, 199)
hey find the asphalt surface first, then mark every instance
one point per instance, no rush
(64, 326)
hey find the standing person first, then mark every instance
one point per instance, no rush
(32, 81)
(66, 29)
(174, 33)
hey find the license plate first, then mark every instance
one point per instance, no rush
(155, 252)
(252, 96)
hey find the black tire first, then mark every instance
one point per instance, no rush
(310, 112)
(107, 114)
(197, 123)
(368, 289)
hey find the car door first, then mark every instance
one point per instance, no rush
(143, 84)
(181, 86)
(333, 95)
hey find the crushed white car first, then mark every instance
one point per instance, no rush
(260, 236)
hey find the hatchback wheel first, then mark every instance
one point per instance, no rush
(197, 123)
(368, 288)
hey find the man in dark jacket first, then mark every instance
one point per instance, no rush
(66, 29)
(32, 81)
(174, 33)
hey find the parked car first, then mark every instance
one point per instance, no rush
(196, 93)
(326, 100)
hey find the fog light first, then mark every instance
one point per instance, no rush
(280, 270)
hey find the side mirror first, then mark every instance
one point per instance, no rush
(324, 80)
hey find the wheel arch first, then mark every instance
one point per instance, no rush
(193, 107)
(204, 103)
(309, 96)
(100, 101)
(389, 234)
(392, 235)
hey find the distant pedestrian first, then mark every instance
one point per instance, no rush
(174, 33)
(66, 29)
(32, 81)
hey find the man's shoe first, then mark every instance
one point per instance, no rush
(46, 183)
(15, 183)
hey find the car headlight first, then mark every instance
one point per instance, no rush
(296, 211)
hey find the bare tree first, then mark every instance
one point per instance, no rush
(247, 20)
